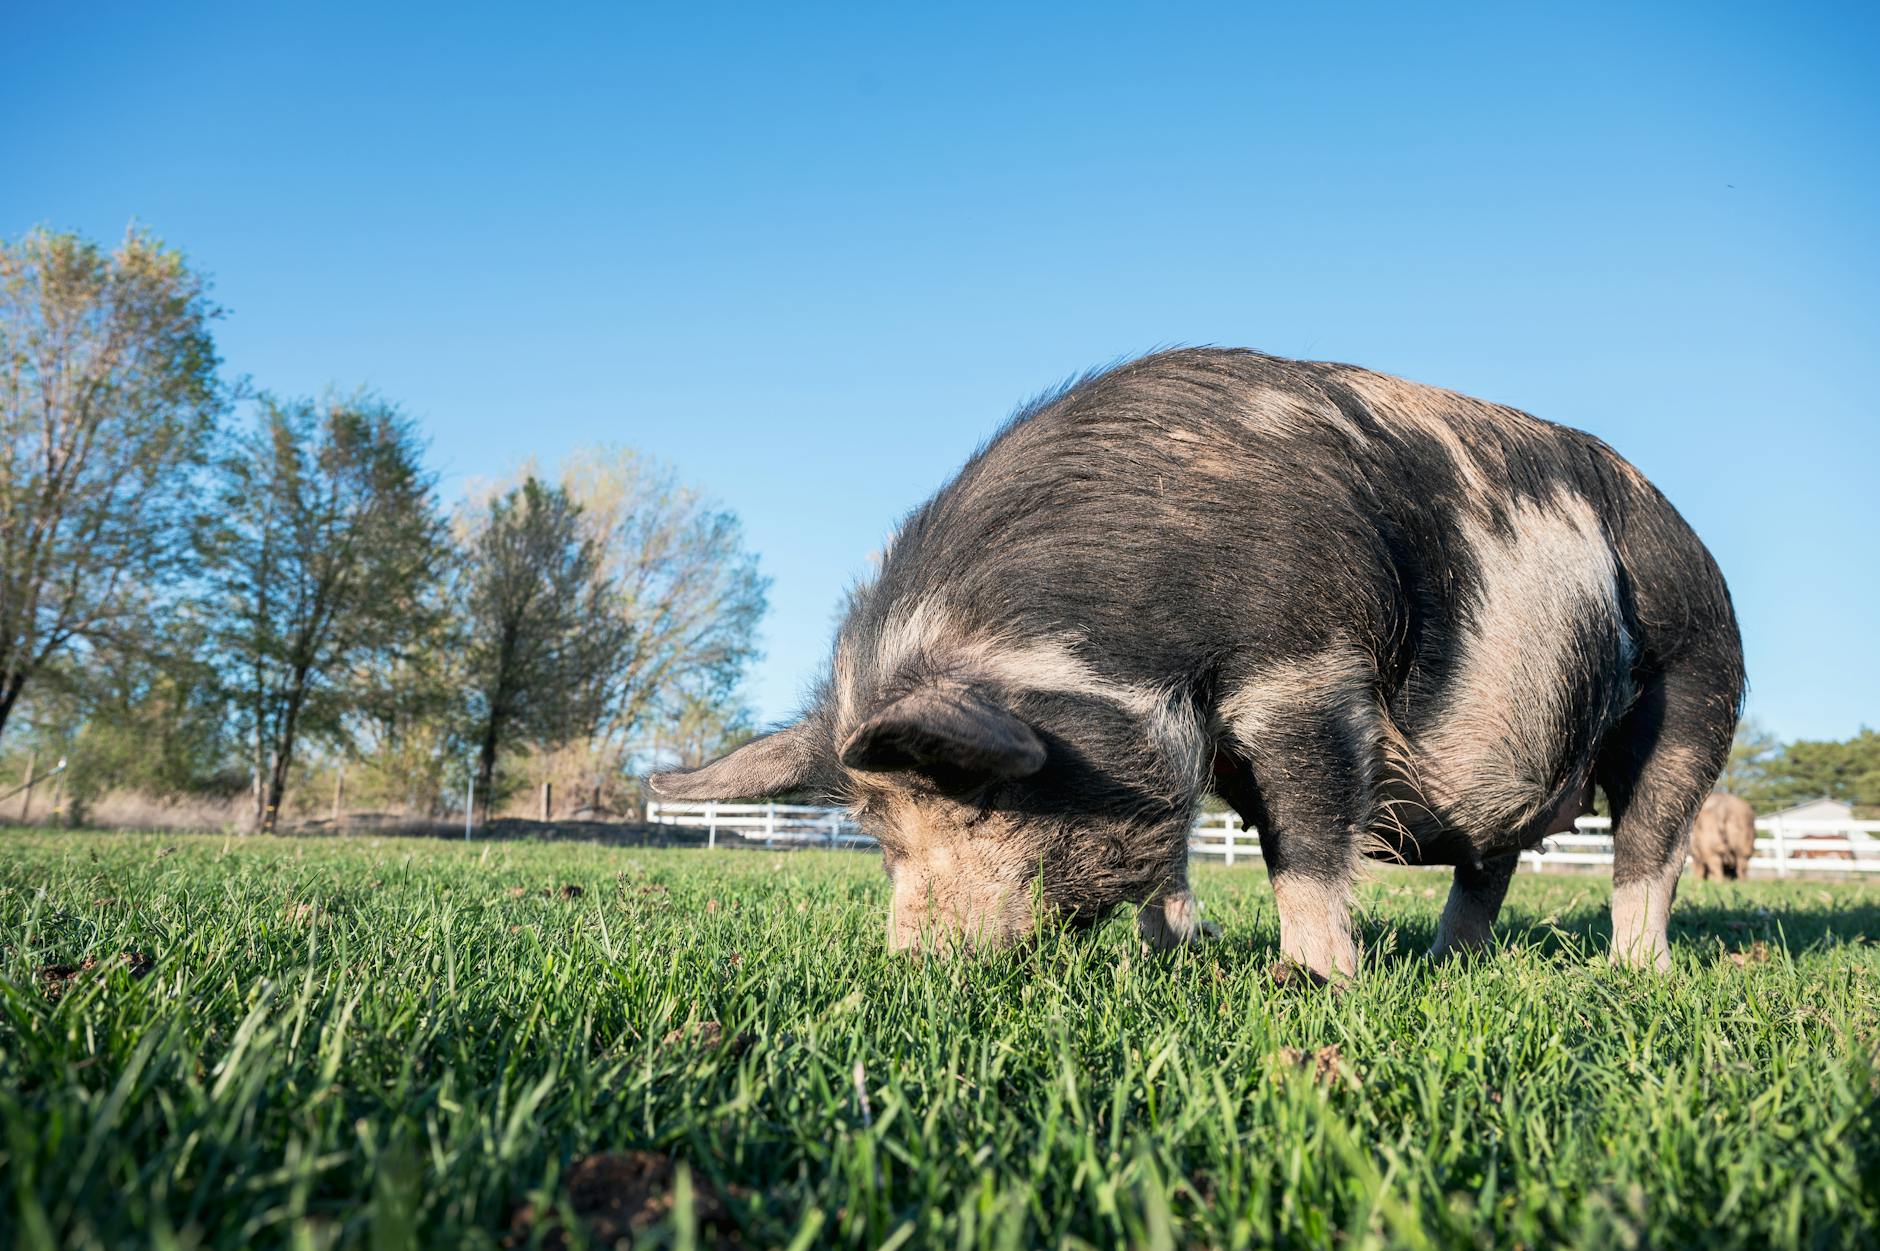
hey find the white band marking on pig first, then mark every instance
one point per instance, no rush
(1315, 924)
(1641, 910)
(926, 630)
(1492, 758)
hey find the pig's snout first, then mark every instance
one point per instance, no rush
(945, 917)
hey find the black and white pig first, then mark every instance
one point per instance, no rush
(1376, 617)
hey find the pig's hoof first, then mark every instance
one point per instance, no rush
(1647, 956)
(1444, 949)
(1291, 973)
(1174, 921)
(1158, 940)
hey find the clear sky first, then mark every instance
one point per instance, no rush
(813, 255)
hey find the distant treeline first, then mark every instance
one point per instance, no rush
(1773, 775)
(212, 592)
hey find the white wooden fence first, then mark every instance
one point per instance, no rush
(1783, 847)
(770, 824)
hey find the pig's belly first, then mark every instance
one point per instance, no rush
(1432, 840)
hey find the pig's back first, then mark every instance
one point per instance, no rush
(1195, 516)
(1217, 498)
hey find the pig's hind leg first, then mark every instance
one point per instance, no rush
(1656, 767)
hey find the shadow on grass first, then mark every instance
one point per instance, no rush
(1582, 934)
(1737, 927)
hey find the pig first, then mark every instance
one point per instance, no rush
(1377, 618)
(1724, 837)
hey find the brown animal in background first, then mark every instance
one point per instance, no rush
(1723, 837)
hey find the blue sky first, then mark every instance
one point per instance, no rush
(813, 255)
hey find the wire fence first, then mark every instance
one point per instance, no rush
(1784, 846)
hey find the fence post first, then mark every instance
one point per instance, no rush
(1782, 846)
(770, 822)
(711, 823)
(32, 776)
(548, 800)
(1229, 837)
(835, 827)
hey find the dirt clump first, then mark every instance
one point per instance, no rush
(1327, 1065)
(704, 1033)
(617, 1196)
(57, 979)
(709, 1036)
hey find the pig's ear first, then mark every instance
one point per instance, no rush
(946, 730)
(788, 760)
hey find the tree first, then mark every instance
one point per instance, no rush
(1810, 769)
(144, 717)
(327, 541)
(690, 595)
(695, 730)
(545, 638)
(108, 397)
(1752, 753)
(403, 726)
(1772, 775)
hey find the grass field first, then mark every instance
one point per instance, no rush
(381, 1043)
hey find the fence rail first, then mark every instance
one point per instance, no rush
(1784, 846)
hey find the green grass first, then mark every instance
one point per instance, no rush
(377, 1042)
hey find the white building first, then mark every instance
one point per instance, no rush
(1822, 819)
(1823, 809)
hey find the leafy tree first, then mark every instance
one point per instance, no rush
(1772, 775)
(689, 593)
(108, 397)
(1810, 769)
(402, 731)
(327, 540)
(544, 637)
(148, 718)
(1746, 771)
(699, 728)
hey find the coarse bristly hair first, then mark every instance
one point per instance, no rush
(1376, 616)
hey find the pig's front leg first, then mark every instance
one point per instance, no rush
(1174, 920)
(1474, 900)
(1315, 923)
(1312, 792)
